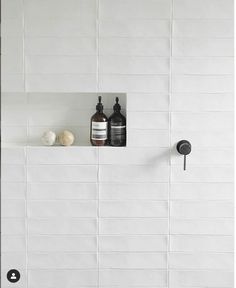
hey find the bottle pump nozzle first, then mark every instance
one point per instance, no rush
(99, 106)
(117, 107)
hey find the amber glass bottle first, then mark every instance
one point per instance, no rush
(117, 127)
(98, 126)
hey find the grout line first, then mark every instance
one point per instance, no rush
(228, 270)
(130, 74)
(127, 218)
(130, 37)
(191, 252)
(122, 235)
(120, 200)
(25, 149)
(170, 142)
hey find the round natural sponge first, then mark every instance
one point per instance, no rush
(66, 138)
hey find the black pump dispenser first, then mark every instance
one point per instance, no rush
(117, 107)
(117, 126)
(99, 106)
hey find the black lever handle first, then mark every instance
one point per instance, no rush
(184, 147)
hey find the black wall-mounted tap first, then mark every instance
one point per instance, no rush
(184, 147)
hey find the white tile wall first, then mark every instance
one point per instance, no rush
(83, 217)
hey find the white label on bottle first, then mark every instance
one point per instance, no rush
(118, 127)
(99, 130)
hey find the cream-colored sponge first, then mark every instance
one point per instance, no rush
(66, 138)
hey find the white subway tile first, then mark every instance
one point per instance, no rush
(12, 27)
(127, 173)
(202, 226)
(54, 173)
(62, 226)
(203, 84)
(14, 116)
(59, 191)
(14, 134)
(13, 190)
(198, 9)
(13, 226)
(60, 46)
(148, 120)
(62, 261)
(202, 191)
(133, 226)
(133, 156)
(16, 259)
(12, 155)
(60, 83)
(73, 208)
(134, 46)
(12, 82)
(201, 138)
(202, 209)
(202, 66)
(133, 260)
(133, 65)
(63, 186)
(140, 243)
(13, 208)
(12, 49)
(202, 174)
(213, 121)
(62, 155)
(134, 28)
(148, 138)
(134, 83)
(12, 9)
(13, 243)
(203, 157)
(153, 102)
(63, 117)
(212, 28)
(133, 208)
(202, 47)
(62, 243)
(201, 261)
(133, 191)
(60, 64)
(13, 173)
(120, 277)
(12, 63)
(11, 99)
(202, 101)
(62, 278)
(51, 27)
(202, 278)
(125, 9)
(65, 9)
(194, 243)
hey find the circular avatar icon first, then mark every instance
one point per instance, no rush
(13, 275)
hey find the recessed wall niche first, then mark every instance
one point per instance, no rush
(60, 111)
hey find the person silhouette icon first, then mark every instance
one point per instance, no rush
(13, 276)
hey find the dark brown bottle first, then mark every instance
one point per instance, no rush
(98, 128)
(117, 127)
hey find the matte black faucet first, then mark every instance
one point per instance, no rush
(184, 147)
